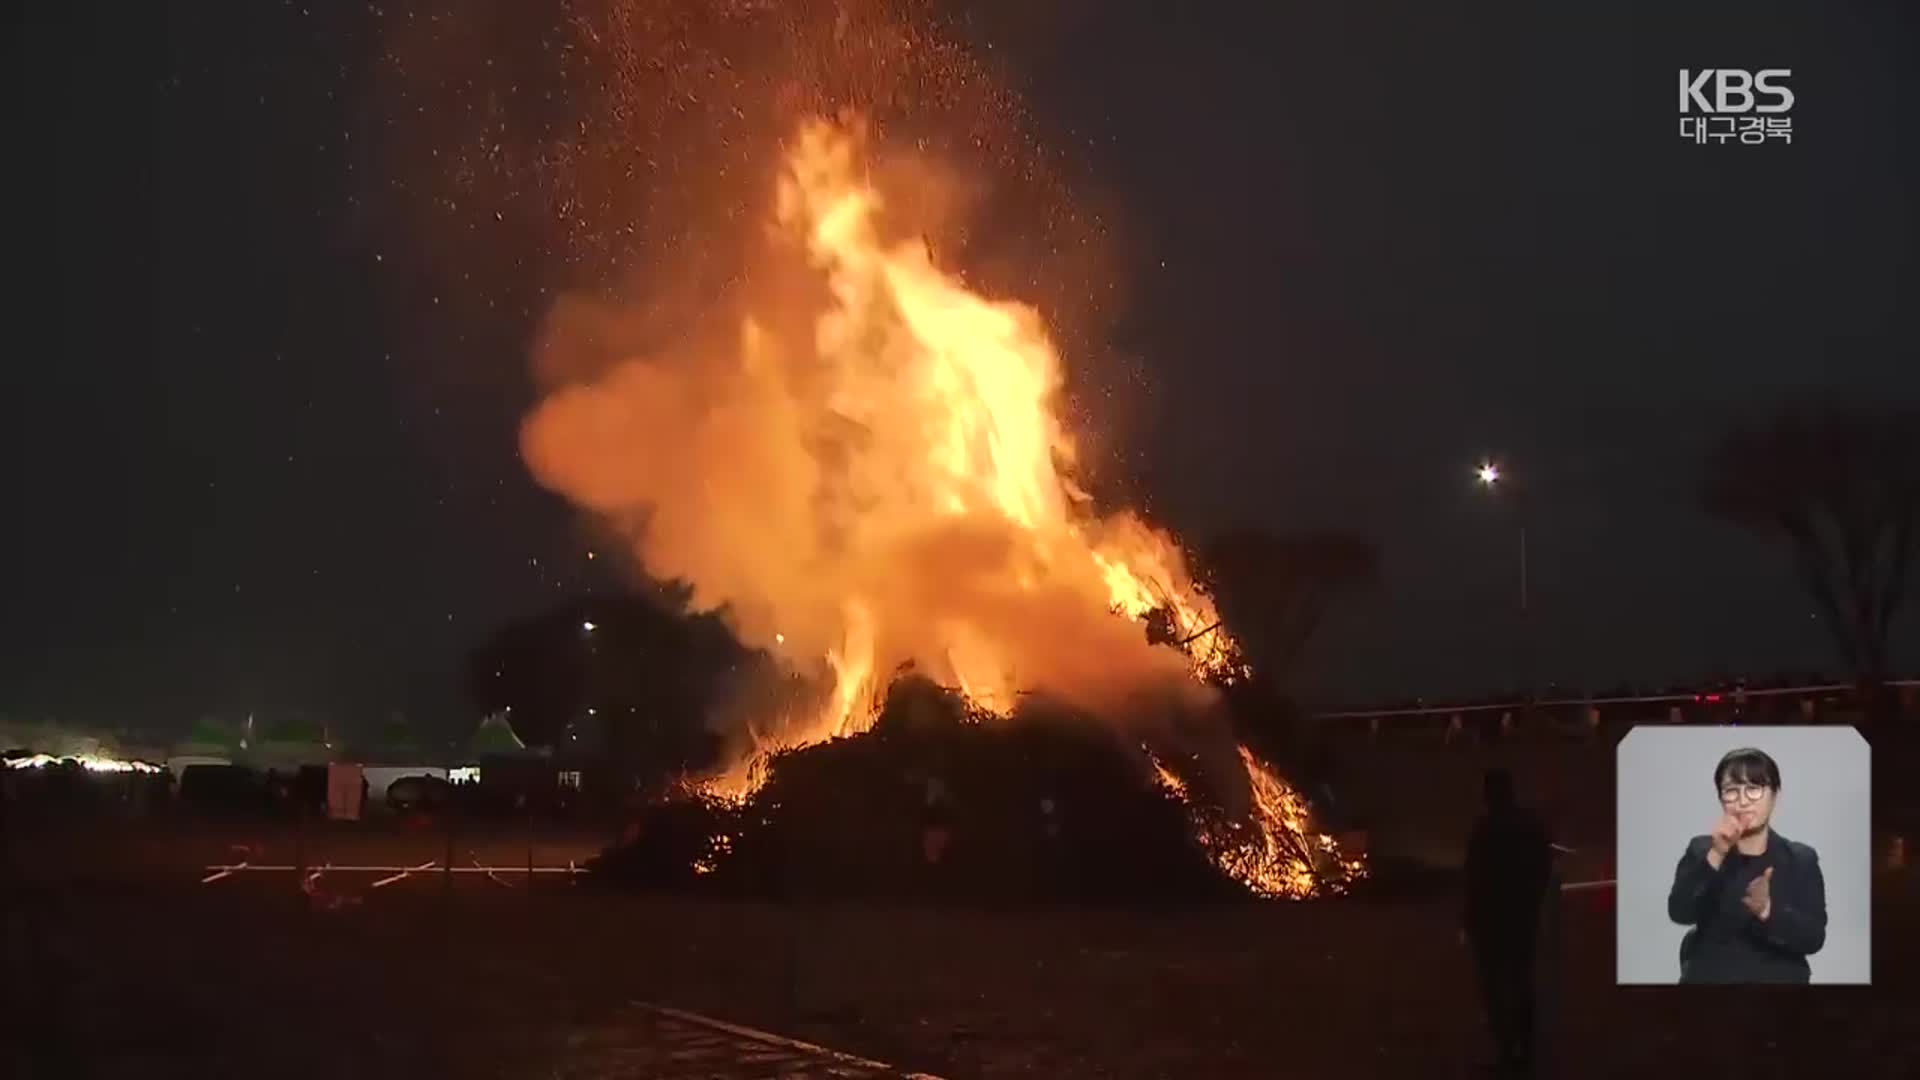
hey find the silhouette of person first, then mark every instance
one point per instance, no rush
(936, 822)
(1052, 841)
(1509, 866)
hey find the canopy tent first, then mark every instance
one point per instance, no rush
(284, 742)
(495, 738)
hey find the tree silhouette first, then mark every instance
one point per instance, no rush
(1274, 591)
(535, 670)
(640, 671)
(1842, 487)
(397, 736)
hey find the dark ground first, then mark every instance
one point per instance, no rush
(118, 963)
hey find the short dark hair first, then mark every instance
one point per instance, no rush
(1747, 766)
(1497, 786)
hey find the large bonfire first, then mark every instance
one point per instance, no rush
(870, 474)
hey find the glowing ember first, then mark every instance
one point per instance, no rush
(718, 848)
(1272, 851)
(1167, 779)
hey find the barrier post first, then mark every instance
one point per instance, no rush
(300, 848)
(446, 867)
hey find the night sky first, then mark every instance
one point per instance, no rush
(262, 440)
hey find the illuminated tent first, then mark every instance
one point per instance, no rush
(495, 738)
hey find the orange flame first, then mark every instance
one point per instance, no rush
(1273, 851)
(877, 477)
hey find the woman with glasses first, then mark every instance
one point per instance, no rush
(1754, 898)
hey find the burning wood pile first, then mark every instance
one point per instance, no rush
(935, 801)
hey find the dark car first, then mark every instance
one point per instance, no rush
(412, 793)
(224, 790)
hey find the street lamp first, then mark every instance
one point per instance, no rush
(1491, 477)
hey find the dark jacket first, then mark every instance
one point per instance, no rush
(1728, 943)
(1509, 868)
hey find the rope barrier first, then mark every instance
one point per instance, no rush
(220, 871)
(402, 875)
(226, 871)
(495, 878)
(1701, 698)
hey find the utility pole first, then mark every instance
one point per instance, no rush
(1493, 479)
(1526, 622)
(446, 815)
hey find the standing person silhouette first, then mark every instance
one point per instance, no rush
(1509, 866)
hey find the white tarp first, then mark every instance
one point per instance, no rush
(345, 784)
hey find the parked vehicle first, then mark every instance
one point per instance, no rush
(223, 789)
(414, 793)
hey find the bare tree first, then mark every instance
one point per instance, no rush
(1842, 487)
(1274, 590)
(636, 672)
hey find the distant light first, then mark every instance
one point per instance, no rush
(89, 762)
(588, 627)
(779, 639)
(590, 555)
(590, 712)
(1489, 473)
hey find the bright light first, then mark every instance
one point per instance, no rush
(588, 627)
(1489, 473)
(87, 761)
(464, 774)
(779, 639)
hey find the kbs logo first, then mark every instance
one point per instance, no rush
(1734, 91)
(1718, 103)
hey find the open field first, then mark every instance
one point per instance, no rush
(118, 963)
